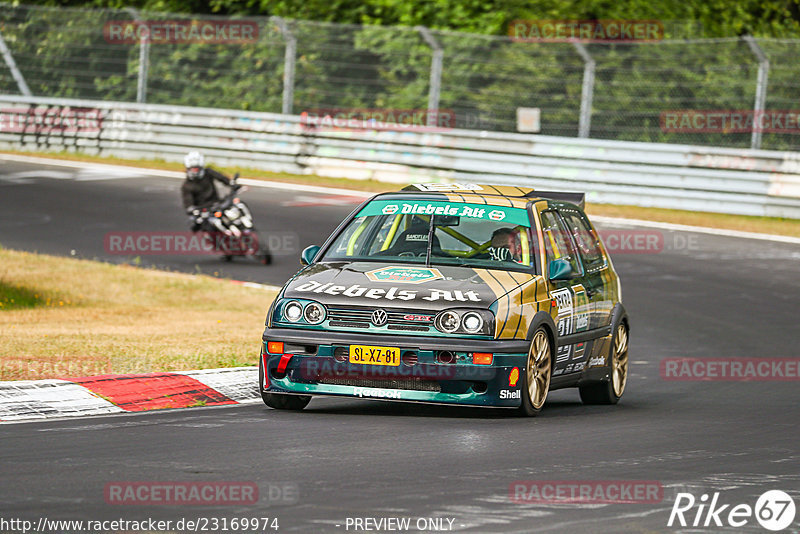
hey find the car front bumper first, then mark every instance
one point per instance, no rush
(307, 367)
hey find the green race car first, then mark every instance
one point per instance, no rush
(464, 294)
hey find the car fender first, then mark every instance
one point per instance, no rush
(603, 374)
(543, 318)
(619, 314)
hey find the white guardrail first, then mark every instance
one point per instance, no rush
(737, 181)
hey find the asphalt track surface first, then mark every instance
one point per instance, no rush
(701, 296)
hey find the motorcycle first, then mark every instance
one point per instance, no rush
(228, 227)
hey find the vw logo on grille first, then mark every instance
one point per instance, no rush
(379, 317)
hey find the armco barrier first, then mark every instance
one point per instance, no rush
(748, 182)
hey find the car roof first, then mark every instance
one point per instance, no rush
(500, 195)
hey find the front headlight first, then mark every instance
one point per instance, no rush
(473, 322)
(293, 311)
(314, 313)
(461, 321)
(447, 321)
(300, 311)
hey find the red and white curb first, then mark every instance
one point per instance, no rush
(109, 394)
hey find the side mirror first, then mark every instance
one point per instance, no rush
(559, 270)
(307, 256)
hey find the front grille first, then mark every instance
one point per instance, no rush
(349, 314)
(413, 383)
(348, 324)
(408, 327)
(346, 317)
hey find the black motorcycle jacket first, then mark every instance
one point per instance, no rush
(201, 192)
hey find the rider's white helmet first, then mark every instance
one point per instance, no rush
(194, 164)
(193, 159)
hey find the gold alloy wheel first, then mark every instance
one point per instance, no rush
(619, 360)
(539, 365)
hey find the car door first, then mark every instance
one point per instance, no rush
(570, 296)
(595, 279)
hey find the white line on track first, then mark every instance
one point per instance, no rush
(55, 175)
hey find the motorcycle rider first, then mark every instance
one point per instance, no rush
(198, 190)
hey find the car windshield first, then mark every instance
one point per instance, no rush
(477, 235)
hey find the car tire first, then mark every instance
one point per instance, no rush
(610, 391)
(538, 371)
(285, 402)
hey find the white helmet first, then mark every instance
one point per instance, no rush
(193, 159)
(194, 164)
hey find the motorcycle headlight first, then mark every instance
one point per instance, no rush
(232, 213)
(293, 311)
(447, 321)
(314, 313)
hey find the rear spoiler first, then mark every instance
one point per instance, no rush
(579, 199)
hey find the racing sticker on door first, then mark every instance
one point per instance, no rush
(573, 317)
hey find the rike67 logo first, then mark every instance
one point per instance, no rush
(774, 510)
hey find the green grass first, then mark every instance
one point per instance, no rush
(14, 297)
(82, 318)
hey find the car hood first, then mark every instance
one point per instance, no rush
(368, 284)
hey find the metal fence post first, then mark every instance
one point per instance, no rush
(288, 66)
(435, 84)
(144, 60)
(587, 90)
(761, 90)
(12, 66)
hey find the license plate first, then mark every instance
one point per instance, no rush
(368, 355)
